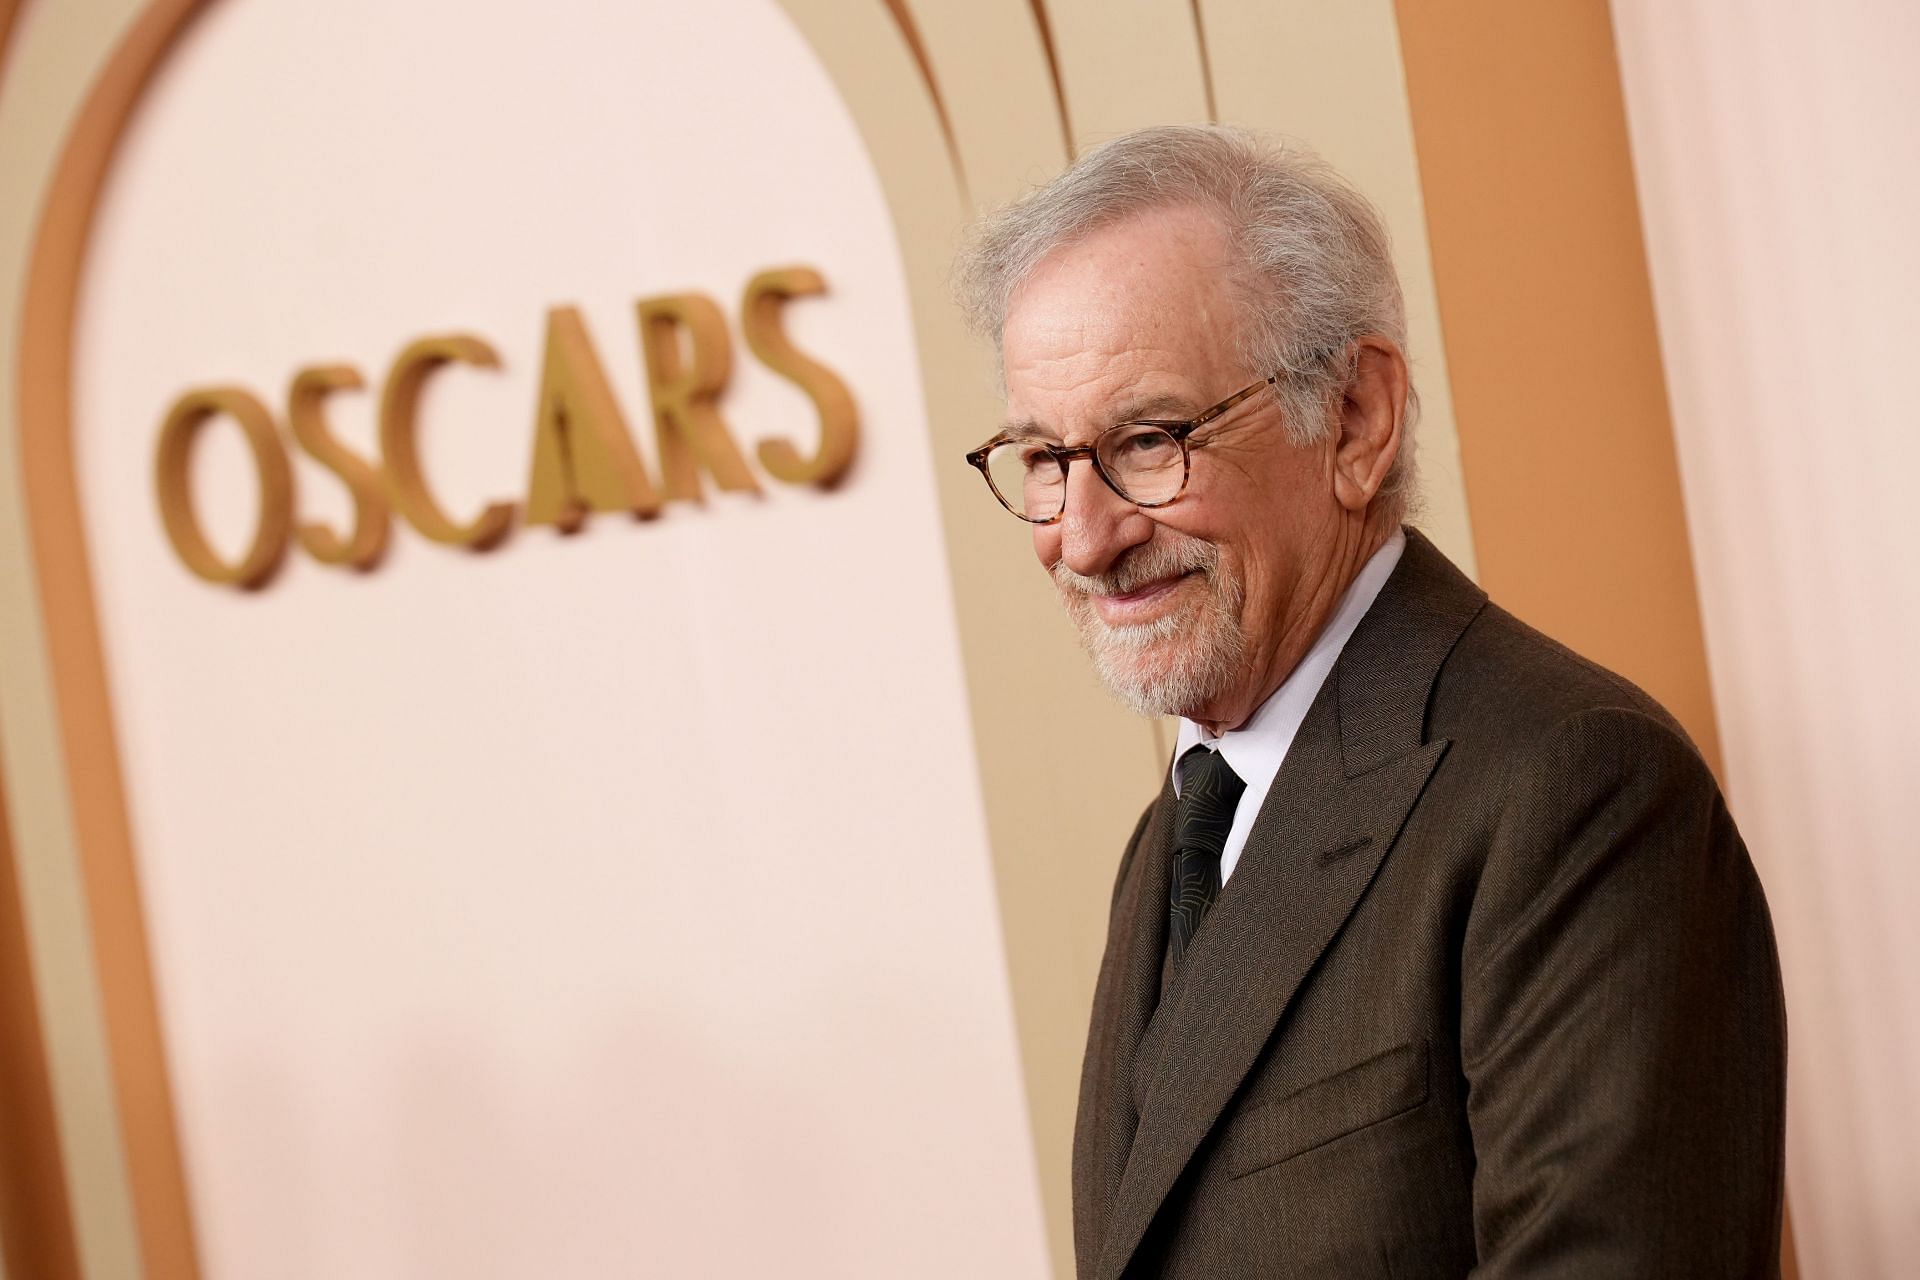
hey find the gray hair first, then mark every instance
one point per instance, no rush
(1318, 264)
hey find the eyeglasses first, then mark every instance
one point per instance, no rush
(1146, 462)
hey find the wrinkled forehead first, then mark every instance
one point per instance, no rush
(1143, 307)
(1160, 263)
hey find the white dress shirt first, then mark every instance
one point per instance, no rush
(1256, 749)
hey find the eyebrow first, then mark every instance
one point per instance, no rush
(1025, 429)
(1163, 408)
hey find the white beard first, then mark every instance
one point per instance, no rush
(1175, 664)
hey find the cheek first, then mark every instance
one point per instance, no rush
(1250, 560)
(1271, 576)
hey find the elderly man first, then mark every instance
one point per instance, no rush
(1438, 952)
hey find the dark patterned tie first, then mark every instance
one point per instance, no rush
(1209, 791)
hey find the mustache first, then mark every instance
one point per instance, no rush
(1144, 564)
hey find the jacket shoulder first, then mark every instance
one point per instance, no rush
(1506, 684)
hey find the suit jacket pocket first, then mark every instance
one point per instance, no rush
(1368, 1092)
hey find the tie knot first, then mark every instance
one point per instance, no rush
(1208, 783)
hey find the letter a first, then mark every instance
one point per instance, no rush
(583, 454)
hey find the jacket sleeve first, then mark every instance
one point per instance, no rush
(1623, 1028)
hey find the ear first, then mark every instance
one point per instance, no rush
(1371, 413)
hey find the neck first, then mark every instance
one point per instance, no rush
(1320, 594)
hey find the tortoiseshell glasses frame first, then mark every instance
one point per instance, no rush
(1146, 461)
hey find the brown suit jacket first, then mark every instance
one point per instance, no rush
(1492, 989)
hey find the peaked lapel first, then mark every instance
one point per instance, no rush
(1353, 773)
(1123, 1002)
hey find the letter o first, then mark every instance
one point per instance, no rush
(172, 479)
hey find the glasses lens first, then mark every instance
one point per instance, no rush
(1027, 478)
(1144, 461)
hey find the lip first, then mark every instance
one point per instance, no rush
(1141, 605)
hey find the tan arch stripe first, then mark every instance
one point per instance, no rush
(1558, 386)
(1053, 69)
(9, 16)
(1206, 63)
(910, 33)
(36, 1223)
(149, 1131)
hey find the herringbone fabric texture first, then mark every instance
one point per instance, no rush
(1209, 792)
(1494, 993)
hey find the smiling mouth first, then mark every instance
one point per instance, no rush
(1143, 604)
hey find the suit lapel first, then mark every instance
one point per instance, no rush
(1124, 1000)
(1352, 775)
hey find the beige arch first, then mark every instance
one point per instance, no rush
(1129, 64)
(901, 120)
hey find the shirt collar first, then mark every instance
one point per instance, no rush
(1256, 748)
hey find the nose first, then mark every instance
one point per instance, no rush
(1099, 525)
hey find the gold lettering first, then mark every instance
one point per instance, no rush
(684, 389)
(364, 547)
(400, 445)
(583, 454)
(760, 309)
(172, 479)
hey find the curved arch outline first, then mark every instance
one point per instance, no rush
(142, 1086)
(104, 840)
